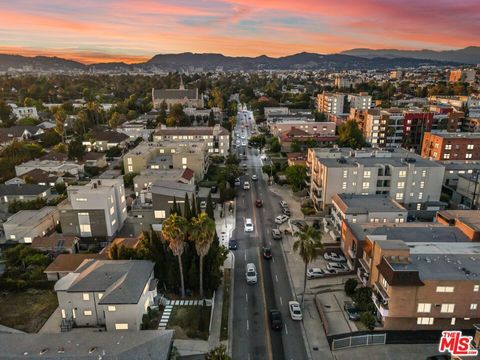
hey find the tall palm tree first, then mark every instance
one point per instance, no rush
(202, 233)
(308, 242)
(174, 231)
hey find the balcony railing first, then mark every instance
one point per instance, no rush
(381, 306)
(363, 276)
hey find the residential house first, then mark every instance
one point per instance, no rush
(165, 192)
(71, 168)
(23, 192)
(104, 140)
(37, 176)
(23, 226)
(97, 209)
(95, 159)
(83, 345)
(107, 293)
(56, 244)
(65, 264)
(21, 112)
(19, 133)
(127, 242)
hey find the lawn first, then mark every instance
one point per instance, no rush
(190, 322)
(27, 310)
(226, 305)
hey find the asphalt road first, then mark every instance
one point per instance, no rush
(252, 336)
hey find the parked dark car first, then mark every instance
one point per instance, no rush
(286, 211)
(214, 189)
(352, 312)
(258, 203)
(267, 253)
(232, 244)
(276, 319)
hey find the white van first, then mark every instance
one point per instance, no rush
(248, 225)
(251, 274)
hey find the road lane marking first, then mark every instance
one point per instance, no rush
(273, 259)
(246, 298)
(286, 329)
(276, 278)
(245, 255)
(281, 302)
(248, 326)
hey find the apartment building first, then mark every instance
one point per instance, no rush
(442, 145)
(98, 209)
(105, 140)
(217, 138)
(145, 180)
(322, 129)
(361, 101)
(468, 190)
(168, 155)
(23, 226)
(462, 75)
(423, 285)
(360, 209)
(466, 220)
(410, 180)
(343, 82)
(331, 103)
(107, 293)
(304, 140)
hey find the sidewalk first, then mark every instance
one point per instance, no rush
(225, 225)
(214, 337)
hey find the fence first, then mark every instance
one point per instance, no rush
(359, 340)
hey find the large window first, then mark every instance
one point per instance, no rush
(425, 321)
(86, 296)
(424, 307)
(121, 326)
(367, 174)
(159, 214)
(445, 289)
(87, 312)
(402, 173)
(447, 308)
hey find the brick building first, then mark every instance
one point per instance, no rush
(451, 146)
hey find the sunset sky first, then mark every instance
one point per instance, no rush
(134, 30)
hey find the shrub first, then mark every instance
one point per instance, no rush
(363, 298)
(368, 319)
(307, 210)
(350, 286)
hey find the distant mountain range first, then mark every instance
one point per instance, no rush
(351, 59)
(468, 55)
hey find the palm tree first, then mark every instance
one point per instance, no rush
(309, 240)
(202, 233)
(174, 231)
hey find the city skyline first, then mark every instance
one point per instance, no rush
(134, 31)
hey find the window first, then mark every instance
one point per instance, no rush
(424, 307)
(425, 321)
(112, 210)
(27, 239)
(452, 322)
(367, 174)
(476, 288)
(470, 147)
(344, 185)
(419, 206)
(445, 289)
(424, 173)
(87, 312)
(446, 156)
(468, 156)
(159, 214)
(422, 184)
(184, 161)
(402, 173)
(420, 196)
(447, 308)
(399, 196)
(473, 306)
(86, 296)
(112, 308)
(121, 326)
(345, 173)
(129, 161)
(365, 185)
(130, 168)
(401, 185)
(448, 147)
(85, 228)
(81, 199)
(100, 295)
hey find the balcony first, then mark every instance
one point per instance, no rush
(380, 304)
(352, 253)
(363, 276)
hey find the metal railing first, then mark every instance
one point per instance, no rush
(359, 340)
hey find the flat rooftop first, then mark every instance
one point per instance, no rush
(470, 218)
(30, 217)
(455, 135)
(410, 232)
(364, 204)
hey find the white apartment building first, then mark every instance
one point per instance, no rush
(97, 209)
(21, 112)
(362, 101)
(330, 103)
(407, 178)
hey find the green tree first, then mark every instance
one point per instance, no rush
(60, 117)
(202, 234)
(128, 179)
(350, 286)
(116, 119)
(308, 242)
(275, 146)
(209, 209)
(50, 138)
(174, 231)
(349, 135)
(229, 173)
(162, 113)
(218, 353)
(76, 150)
(295, 147)
(211, 118)
(296, 176)
(187, 213)
(368, 320)
(177, 116)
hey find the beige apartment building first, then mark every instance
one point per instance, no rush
(168, 155)
(217, 138)
(423, 286)
(407, 178)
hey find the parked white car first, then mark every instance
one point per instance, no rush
(339, 268)
(332, 256)
(248, 225)
(314, 273)
(283, 204)
(295, 310)
(280, 219)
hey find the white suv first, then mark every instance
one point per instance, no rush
(251, 274)
(248, 225)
